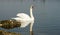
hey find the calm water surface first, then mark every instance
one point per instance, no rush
(46, 13)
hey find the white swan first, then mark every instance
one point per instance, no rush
(25, 19)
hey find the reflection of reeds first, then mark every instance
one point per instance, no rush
(8, 33)
(9, 24)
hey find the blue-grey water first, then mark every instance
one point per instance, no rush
(46, 13)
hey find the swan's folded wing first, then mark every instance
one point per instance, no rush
(23, 16)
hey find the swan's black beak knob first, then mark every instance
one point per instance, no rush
(32, 6)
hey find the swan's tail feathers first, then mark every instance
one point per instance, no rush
(12, 18)
(15, 18)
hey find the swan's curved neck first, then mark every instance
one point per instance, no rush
(31, 14)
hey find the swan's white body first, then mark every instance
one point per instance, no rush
(25, 19)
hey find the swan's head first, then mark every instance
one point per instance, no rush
(32, 7)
